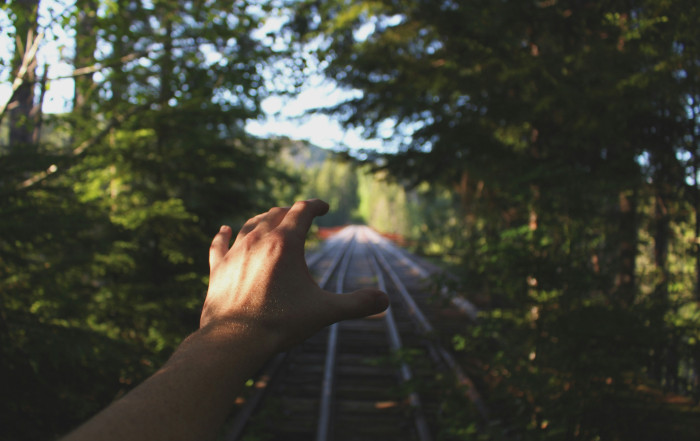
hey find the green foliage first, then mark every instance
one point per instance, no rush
(360, 192)
(325, 175)
(550, 148)
(336, 183)
(564, 136)
(107, 219)
(384, 204)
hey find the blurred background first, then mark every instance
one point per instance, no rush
(545, 152)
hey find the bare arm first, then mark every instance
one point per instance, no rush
(261, 299)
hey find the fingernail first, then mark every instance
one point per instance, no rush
(223, 229)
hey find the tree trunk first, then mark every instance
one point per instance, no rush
(661, 241)
(660, 301)
(22, 105)
(695, 148)
(625, 284)
(37, 114)
(85, 47)
(127, 13)
(664, 164)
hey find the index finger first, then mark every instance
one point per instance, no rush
(302, 213)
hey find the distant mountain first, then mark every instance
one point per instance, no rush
(302, 153)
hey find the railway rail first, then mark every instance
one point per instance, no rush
(357, 379)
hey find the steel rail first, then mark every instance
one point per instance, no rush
(235, 430)
(326, 248)
(464, 305)
(242, 417)
(427, 329)
(328, 386)
(413, 309)
(315, 257)
(396, 345)
(342, 251)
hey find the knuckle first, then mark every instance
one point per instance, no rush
(302, 204)
(253, 236)
(278, 210)
(249, 225)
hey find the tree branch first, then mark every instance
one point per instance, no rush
(27, 60)
(53, 168)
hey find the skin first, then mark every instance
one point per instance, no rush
(261, 300)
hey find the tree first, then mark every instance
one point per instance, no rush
(549, 120)
(105, 229)
(335, 181)
(22, 109)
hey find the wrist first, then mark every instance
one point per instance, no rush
(241, 335)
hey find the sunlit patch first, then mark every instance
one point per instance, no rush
(377, 316)
(262, 382)
(362, 236)
(385, 404)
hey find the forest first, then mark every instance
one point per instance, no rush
(547, 153)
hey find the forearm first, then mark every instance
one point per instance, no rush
(261, 298)
(190, 396)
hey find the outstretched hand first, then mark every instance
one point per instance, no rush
(261, 299)
(262, 281)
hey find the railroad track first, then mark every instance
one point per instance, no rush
(365, 379)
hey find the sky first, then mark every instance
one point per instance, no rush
(288, 117)
(283, 116)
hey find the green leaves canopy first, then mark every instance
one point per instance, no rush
(107, 220)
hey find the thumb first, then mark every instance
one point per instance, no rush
(358, 304)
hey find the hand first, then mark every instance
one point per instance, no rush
(262, 281)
